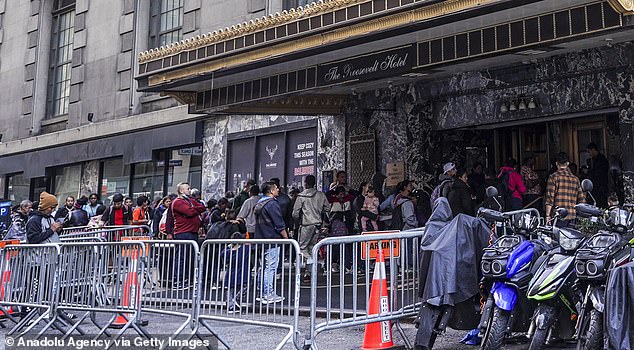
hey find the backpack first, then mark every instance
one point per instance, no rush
(437, 192)
(397, 218)
(218, 230)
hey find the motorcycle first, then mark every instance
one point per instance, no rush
(555, 290)
(506, 270)
(605, 250)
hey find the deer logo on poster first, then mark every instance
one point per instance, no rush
(271, 151)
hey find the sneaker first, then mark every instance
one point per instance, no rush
(235, 309)
(181, 286)
(306, 278)
(272, 299)
(335, 268)
(351, 271)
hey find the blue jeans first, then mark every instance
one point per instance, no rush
(271, 261)
(185, 257)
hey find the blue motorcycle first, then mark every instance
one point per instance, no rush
(506, 270)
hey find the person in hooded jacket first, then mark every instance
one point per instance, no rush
(309, 209)
(19, 218)
(460, 195)
(42, 227)
(407, 207)
(78, 216)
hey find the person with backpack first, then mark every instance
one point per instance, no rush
(160, 216)
(512, 185)
(117, 214)
(20, 216)
(446, 181)
(186, 224)
(404, 208)
(309, 210)
(226, 228)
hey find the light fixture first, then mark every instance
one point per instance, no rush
(522, 105)
(503, 108)
(532, 104)
(90, 116)
(512, 106)
(0, 137)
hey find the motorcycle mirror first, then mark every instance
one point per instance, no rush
(491, 192)
(562, 212)
(587, 185)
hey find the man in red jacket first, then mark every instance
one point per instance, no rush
(186, 212)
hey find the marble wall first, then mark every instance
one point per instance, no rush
(89, 178)
(409, 119)
(330, 144)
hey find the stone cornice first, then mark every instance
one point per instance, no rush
(243, 28)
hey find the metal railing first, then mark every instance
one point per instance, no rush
(106, 233)
(171, 281)
(342, 290)
(28, 275)
(249, 282)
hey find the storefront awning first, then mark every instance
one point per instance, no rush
(134, 147)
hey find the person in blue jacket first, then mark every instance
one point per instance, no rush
(269, 224)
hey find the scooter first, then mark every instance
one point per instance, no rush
(555, 289)
(506, 269)
(604, 251)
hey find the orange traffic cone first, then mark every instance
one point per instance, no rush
(378, 335)
(130, 287)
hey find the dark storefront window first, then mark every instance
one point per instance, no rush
(66, 182)
(148, 179)
(241, 162)
(271, 155)
(115, 178)
(39, 185)
(288, 155)
(17, 188)
(185, 165)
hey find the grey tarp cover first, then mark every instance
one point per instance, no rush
(451, 252)
(619, 308)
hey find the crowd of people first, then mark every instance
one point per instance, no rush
(266, 211)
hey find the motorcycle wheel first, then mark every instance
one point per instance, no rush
(591, 336)
(494, 336)
(539, 338)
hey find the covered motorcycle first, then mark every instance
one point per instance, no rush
(451, 249)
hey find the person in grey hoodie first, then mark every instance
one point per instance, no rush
(247, 212)
(310, 207)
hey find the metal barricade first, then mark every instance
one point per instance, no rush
(240, 282)
(100, 278)
(342, 290)
(27, 281)
(106, 233)
(171, 281)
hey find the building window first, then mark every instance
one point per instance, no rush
(291, 4)
(61, 57)
(115, 178)
(171, 19)
(185, 165)
(66, 182)
(17, 188)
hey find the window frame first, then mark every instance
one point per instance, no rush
(58, 89)
(168, 12)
